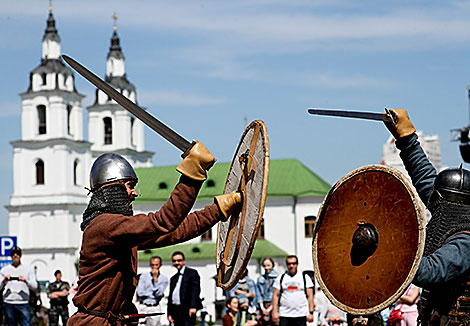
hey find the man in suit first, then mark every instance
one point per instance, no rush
(184, 301)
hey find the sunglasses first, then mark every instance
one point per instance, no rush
(177, 260)
(292, 264)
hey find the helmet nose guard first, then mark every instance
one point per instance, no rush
(108, 168)
(453, 185)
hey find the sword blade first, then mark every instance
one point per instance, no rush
(133, 108)
(353, 114)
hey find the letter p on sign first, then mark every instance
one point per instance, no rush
(6, 243)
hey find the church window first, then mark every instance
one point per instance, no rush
(69, 115)
(108, 131)
(207, 236)
(40, 172)
(75, 172)
(309, 225)
(261, 230)
(132, 131)
(44, 79)
(42, 119)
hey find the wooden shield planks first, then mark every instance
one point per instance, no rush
(383, 197)
(249, 173)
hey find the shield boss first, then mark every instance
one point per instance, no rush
(369, 239)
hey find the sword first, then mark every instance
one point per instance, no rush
(148, 119)
(385, 117)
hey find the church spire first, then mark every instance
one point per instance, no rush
(115, 60)
(51, 39)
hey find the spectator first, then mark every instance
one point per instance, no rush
(57, 292)
(185, 287)
(150, 291)
(321, 306)
(18, 279)
(232, 309)
(244, 317)
(407, 305)
(245, 287)
(292, 296)
(264, 290)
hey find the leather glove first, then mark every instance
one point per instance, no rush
(228, 203)
(404, 126)
(196, 163)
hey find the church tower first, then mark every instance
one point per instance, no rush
(111, 128)
(50, 163)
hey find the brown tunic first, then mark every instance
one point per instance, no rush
(108, 257)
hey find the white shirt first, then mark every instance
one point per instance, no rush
(175, 299)
(293, 300)
(17, 292)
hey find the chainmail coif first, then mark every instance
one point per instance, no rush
(112, 199)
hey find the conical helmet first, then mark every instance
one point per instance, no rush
(108, 168)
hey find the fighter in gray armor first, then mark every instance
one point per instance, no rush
(444, 272)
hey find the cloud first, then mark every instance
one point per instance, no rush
(261, 26)
(176, 98)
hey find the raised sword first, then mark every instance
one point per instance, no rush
(387, 116)
(148, 119)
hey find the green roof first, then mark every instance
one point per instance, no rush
(207, 251)
(287, 177)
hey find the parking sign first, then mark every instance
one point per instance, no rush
(6, 244)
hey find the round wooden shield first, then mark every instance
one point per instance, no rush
(369, 239)
(249, 174)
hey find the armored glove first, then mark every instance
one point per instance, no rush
(228, 203)
(196, 163)
(404, 126)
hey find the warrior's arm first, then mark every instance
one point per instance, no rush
(194, 225)
(446, 263)
(420, 170)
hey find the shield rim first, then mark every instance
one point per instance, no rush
(418, 255)
(264, 188)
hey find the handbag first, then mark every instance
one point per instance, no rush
(394, 317)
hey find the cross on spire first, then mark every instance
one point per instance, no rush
(50, 5)
(114, 20)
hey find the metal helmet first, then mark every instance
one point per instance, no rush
(452, 185)
(108, 168)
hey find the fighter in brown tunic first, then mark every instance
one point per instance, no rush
(112, 234)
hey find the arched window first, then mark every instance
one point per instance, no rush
(309, 225)
(75, 172)
(108, 130)
(42, 119)
(132, 131)
(40, 172)
(69, 114)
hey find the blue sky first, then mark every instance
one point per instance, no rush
(202, 66)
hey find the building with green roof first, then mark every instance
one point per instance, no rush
(295, 194)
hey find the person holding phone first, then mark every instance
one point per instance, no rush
(17, 280)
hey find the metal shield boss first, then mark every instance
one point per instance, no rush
(248, 173)
(369, 239)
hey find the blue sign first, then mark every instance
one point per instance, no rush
(6, 244)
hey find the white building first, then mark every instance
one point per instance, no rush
(430, 144)
(51, 164)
